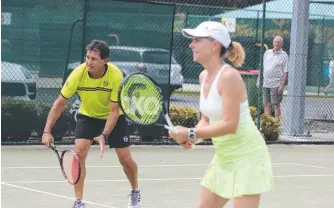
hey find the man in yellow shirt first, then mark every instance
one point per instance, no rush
(99, 117)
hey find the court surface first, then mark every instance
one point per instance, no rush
(169, 177)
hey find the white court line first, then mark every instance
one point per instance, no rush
(310, 166)
(292, 176)
(160, 179)
(153, 166)
(51, 194)
(110, 166)
(107, 180)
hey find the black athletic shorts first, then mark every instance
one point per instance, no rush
(88, 128)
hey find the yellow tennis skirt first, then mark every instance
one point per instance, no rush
(241, 165)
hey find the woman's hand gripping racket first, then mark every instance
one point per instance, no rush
(141, 100)
(69, 164)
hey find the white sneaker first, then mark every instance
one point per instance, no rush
(134, 199)
(79, 204)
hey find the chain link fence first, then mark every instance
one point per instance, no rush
(319, 102)
(34, 40)
(43, 42)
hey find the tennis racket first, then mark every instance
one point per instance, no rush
(69, 164)
(141, 100)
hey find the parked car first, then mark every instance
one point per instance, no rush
(153, 61)
(17, 81)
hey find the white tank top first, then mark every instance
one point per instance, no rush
(212, 107)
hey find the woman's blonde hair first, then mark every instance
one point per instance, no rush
(236, 55)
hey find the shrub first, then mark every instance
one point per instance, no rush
(253, 112)
(18, 118)
(183, 116)
(269, 125)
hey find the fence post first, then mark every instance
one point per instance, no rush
(295, 105)
(84, 23)
(259, 105)
(69, 49)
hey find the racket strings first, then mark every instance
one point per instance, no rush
(71, 167)
(141, 99)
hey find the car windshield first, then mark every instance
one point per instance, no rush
(124, 55)
(157, 57)
(26, 73)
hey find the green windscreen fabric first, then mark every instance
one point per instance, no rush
(43, 41)
(139, 35)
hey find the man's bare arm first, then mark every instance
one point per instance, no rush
(285, 79)
(56, 110)
(112, 119)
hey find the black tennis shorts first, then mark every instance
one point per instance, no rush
(88, 128)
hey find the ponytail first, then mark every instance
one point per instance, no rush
(236, 55)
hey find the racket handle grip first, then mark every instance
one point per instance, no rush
(52, 146)
(168, 128)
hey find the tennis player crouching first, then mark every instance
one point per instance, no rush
(97, 82)
(241, 167)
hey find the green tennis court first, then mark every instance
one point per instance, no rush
(169, 177)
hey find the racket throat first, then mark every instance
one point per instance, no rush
(170, 125)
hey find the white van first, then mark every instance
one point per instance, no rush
(17, 82)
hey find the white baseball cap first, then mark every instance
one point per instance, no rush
(215, 30)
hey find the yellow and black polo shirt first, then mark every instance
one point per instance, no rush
(95, 94)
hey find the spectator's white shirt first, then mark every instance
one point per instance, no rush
(274, 66)
(331, 72)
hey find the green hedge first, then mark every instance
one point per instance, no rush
(20, 119)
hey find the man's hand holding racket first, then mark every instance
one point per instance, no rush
(102, 141)
(47, 138)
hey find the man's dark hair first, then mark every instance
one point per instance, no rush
(99, 45)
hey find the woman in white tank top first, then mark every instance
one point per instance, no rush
(241, 168)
